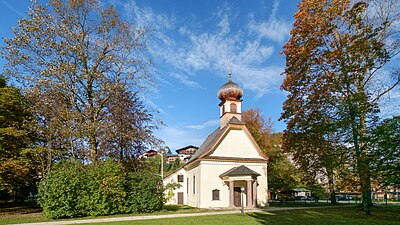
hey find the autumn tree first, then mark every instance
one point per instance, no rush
(17, 136)
(336, 53)
(282, 175)
(130, 127)
(79, 62)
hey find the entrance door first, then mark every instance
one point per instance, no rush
(180, 198)
(237, 200)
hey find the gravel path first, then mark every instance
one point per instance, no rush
(151, 217)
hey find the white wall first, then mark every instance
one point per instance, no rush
(194, 198)
(173, 178)
(212, 181)
(237, 144)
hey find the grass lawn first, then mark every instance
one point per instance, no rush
(30, 213)
(311, 216)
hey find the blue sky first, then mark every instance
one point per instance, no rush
(193, 45)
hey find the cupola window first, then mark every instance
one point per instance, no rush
(233, 108)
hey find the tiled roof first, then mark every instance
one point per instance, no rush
(235, 120)
(212, 139)
(187, 147)
(239, 171)
(208, 143)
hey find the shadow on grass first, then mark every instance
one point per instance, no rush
(334, 215)
(175, 208)
(19, 208)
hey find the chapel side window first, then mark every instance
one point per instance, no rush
(180, 178)
(187, 185)
(233, 108)
(194, 185)
(215, 194)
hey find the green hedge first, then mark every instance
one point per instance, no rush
(74, 190)
(144, 192)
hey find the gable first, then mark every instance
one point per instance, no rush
(237, 144)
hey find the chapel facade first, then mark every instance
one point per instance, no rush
(228, 163)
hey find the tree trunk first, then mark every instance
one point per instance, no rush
(331, 185)
(364, 166)
(93, 147)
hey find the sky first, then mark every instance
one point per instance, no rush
(194, 44)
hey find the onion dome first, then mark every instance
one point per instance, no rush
(230, 90)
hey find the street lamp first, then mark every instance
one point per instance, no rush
(242, 190)
(162, 164)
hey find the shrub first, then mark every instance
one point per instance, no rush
(105, 188)
(72, 190)
(144, 192)
(60, 191)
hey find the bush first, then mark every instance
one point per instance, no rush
(72, 190)
(61, 191)
(144, 192)
(105, 189)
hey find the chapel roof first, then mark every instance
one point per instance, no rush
(239, 171)
(208, 143)
(212, 139)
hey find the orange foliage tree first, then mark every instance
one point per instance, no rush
(338, 49)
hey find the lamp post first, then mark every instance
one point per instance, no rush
(242, 190)
(162, 164)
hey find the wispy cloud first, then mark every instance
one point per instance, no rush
(274, 29)
(207, 124)
(189, 49)
(185, 80)
(19, 13)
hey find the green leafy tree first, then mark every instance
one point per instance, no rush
(78, 60)
(17, 136)
(386, 157)
(333, 59)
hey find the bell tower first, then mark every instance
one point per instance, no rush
(231, 104)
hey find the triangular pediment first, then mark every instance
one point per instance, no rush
(237, 143)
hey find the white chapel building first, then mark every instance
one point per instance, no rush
(227, 162)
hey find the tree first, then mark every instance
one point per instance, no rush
(79, 59)
(386, 158)
(336, 52)
(259, 127)
(281, 172)
(130, 127)
(17, 136)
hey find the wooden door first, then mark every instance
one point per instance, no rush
(180, 198)
(237, 200)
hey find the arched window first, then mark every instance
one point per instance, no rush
(223, 109)
(215, 194)
(233, 108)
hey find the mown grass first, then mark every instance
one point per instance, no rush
(311, 215)
(314, 216)
(31, 213)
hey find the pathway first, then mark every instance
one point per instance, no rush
(151, 217)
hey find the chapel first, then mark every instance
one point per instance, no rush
(227, 167)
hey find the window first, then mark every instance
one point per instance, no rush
(223, 109)
(233, 108)
(194, 185)
(215, 194)
(180, 178)
(187, 185)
